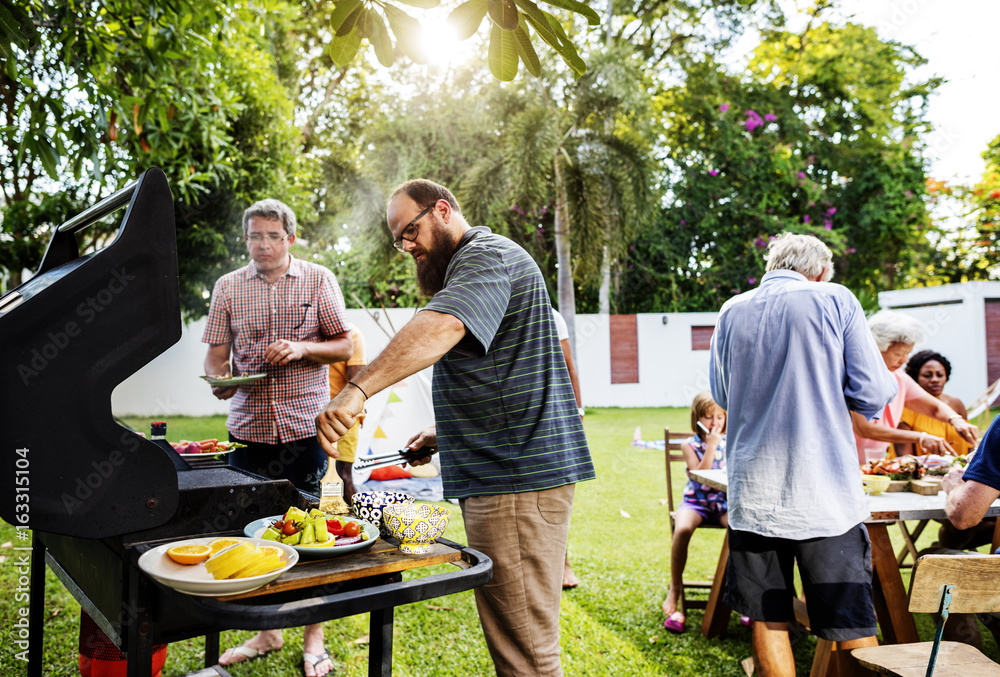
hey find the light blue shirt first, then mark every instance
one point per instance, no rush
(790, 360)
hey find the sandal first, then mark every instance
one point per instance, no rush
(675, 622)
(314, 660)
(248, 654)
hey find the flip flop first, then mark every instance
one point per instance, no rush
(675, 622)
(248, 653)
(314, 660)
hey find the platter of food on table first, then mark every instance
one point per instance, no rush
(314, 533)
(229, 381)
(205, 451)
(919, 474)
(217, 566)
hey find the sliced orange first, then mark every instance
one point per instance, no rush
(270, 550)
(189, 554)
(220, 543)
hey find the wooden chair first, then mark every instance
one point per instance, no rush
(942, 584)
(673, 453)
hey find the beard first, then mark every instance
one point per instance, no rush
(431, 269)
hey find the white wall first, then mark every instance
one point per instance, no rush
(169, 385)
(954, 321)
(670, 374)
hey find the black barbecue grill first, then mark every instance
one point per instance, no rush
(98, 494)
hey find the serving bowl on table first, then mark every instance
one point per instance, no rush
(875, 484)
(416, 525)
(369, 506)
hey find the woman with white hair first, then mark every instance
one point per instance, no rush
(895, 334)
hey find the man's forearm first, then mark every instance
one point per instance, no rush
(337, 349)
(967, 503)
(420, 343)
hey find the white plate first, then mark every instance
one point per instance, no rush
(194, 579)
(256, 528)
(242, 379)
(196, 460)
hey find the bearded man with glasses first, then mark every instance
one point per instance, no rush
(508, 427)
(285, 318)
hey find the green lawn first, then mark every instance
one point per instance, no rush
(611, 625)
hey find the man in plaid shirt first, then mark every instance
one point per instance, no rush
(285, 318)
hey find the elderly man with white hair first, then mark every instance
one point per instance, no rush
(790, 361)
(895, 334)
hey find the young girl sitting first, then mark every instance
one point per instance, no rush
(701, 503)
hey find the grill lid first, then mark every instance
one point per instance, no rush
(68, 337)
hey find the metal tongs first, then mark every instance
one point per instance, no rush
(401, 457)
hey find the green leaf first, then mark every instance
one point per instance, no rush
(423, 4)
(408, 33)
(161, 114)
(351, 22)
(566, 48)
(593, 18)
(526, 51)
(47, 154)
(503, 54)
(343, 48)
(536, 18)
(343, 10)
(504, 14)
(379, 37)
(467, 17)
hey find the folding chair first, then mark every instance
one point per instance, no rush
(674, 454)
(942, 584)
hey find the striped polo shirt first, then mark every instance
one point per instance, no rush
(507, 420)
(304, 304)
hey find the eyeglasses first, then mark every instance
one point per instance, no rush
(257, 238)
(412, 225)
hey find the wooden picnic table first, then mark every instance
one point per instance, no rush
(895, 621)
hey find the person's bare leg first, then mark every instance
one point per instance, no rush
(847, 666)
(772, 651)
(569, 578)
(686, 521)
(312, 643)
(263, 641)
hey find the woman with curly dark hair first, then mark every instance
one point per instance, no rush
(931, 371)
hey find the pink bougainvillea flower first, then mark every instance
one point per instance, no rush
(724, 107)
(802, 175)
(752, 280)
(753, 120)
(850, 250)
(828, 225)
(683, 222)
(713, 172)
(831, 211)
(770, 117)
(760, 243)
(805, 219)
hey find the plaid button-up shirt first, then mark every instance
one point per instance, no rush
(249, 313)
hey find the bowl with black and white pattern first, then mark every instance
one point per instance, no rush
(368, 505)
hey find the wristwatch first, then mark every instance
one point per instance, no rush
(581, 411)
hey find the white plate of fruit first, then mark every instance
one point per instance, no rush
(217, 566)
